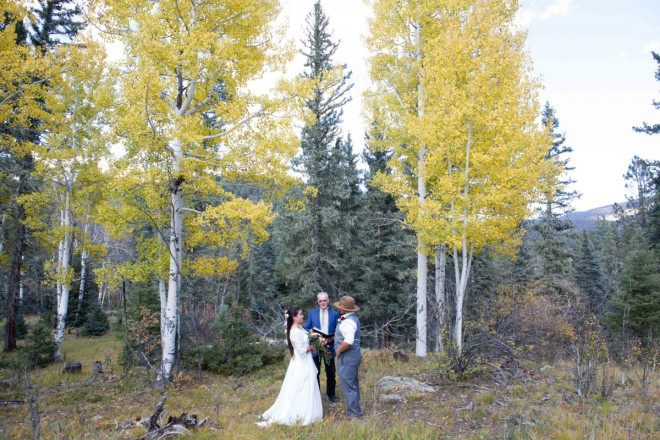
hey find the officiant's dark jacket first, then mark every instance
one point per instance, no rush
(314, 320)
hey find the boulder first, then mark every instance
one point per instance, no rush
(390, 398)
(402, 385)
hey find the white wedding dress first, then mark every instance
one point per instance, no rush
(299, 401)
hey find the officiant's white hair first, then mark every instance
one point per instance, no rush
(321, 295)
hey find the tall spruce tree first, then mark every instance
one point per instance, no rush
(636, 305)
(554, 231)
(55, 22)
(654, 213)
(589, 276)
(386, 259)
(640, 183)
(652, 128)
(605, 238)
(316, 242)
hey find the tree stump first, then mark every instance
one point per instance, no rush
(98, 367)
(73, 367)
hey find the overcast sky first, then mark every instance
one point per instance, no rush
(593, 57)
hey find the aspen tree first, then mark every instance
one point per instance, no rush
(191, 121)
(467, 168)
(69, 157)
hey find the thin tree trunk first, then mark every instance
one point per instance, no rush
(440, 281)
(176, 230)
(462, 274)
(83, 274)
(63, 282)
(422, 260)
(103, 288)
(20, 290)
(162, 293)
(15, 280)
(196, 340)
(13, 290)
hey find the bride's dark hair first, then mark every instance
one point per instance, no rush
(291, 311)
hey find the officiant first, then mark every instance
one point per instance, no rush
(323, 321)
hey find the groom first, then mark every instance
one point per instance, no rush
(325, 320)
(347, 348)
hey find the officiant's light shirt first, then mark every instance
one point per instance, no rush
(324, 321)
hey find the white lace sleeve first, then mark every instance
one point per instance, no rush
(300, 342)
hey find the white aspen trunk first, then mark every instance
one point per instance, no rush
(462, 267)
(104, 286)
(60, 256)
(2, 233)
(63, 288)
(440, 262)
(162, 293)
(171, 307)
(20, 290)
(83, 274)
(463, 273)
(422, 260)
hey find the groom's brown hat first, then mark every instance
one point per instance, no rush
(347, 303)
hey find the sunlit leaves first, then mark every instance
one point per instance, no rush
(481, 149)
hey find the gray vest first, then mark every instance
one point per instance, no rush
(339, 338)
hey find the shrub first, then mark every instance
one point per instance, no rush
(39, 348)
(96, 322)
(513, 325)
(21, 326)
(239, 349)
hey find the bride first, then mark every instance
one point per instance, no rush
(299, 400)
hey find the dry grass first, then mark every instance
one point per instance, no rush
(537, 406)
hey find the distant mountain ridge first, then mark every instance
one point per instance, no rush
(587, 219)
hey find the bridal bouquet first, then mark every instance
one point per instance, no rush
(321, 345)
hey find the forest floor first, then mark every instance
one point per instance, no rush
(540, 404)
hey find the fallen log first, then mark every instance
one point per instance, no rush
(176, 425)
(11, 402)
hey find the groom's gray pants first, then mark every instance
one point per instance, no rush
(347, 370)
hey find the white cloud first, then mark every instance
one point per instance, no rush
(652, 46)
(559, 8)
(524, 17)
(532, 11)
(623, 54)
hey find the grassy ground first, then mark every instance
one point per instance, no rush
(540, 405)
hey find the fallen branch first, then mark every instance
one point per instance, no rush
(11, 401)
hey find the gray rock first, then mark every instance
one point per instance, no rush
(546, 368)
(402, 385)
(390, 398)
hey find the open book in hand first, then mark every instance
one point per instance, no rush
(323, 335)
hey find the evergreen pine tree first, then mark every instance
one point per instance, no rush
(554, 232)
(314, 243)
(654, 213)
(96, 321)
(605, 238)
(640, 183)
(588, 275)
(56, 22)
(638, 298)
(39, 346)
(386, 260)
(654, 128)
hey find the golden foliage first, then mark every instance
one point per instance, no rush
(458, 108)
